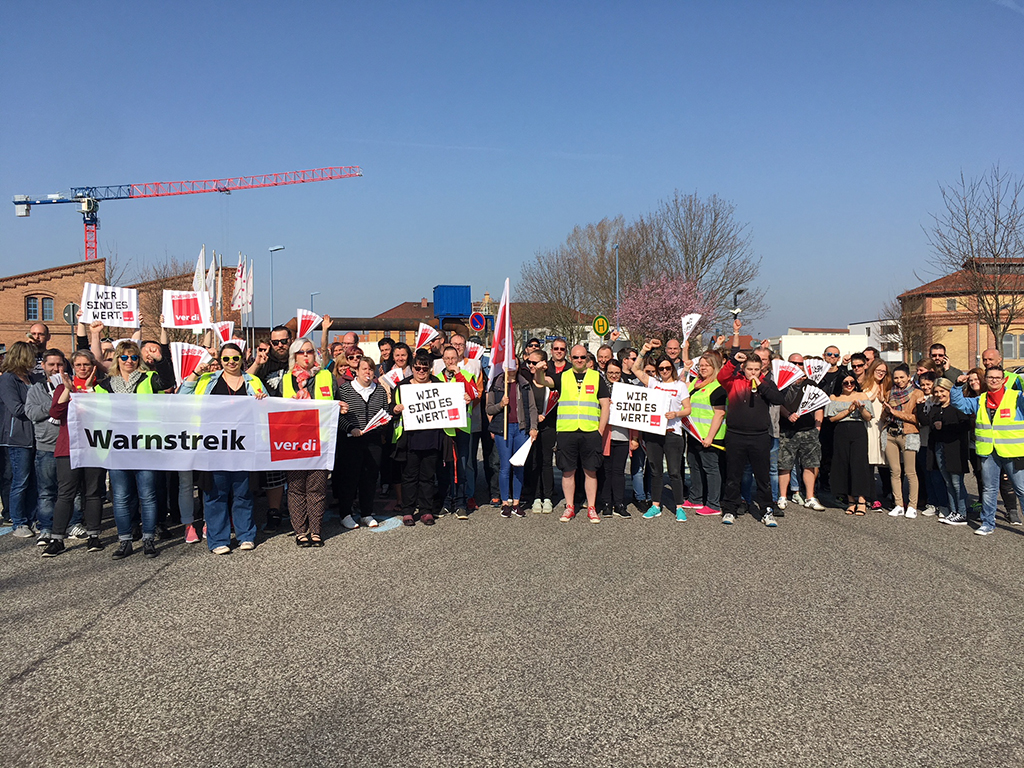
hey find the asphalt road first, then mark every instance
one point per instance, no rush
(829, 641)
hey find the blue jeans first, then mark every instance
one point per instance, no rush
(956, 491)
(992, 467)
(458, 482)
(46, 481)
(747, 486)
(23, 488)
(506, 448)
(218, 523)
(128, 487)
(186, 497)
(637, 469)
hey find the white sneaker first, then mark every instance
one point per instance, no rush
(349, 522)
(813, 503)
(928, 511)
(368, 522)
(245, 546)
(781, 503)
(797, 498)
(911, 513)
(548, 506)
(896, 512)
(78, 532)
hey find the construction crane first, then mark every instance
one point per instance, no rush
(88, 198)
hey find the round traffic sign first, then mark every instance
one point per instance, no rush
(71, 313)
(601, 325)
(477, 321)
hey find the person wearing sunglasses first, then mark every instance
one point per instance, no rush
(667, 448)
(539, 477)
(618, 442)
(943, 368)
(276, 358)
(417, 451)
(307, 488)
(851, 473)
(836, 369)
(584, 399)
(130, 375)
(221, 489)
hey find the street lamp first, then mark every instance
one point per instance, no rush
(272, 249)
(617, 326)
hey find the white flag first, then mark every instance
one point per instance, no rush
(199, 278)
(689, 323)
(211, 277)
(238, 292)
(503, 351)
(250, 282)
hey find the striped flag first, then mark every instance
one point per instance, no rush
(503, 353)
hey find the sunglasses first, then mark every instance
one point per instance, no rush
(559, 349)
(579, 357)
(133, 358)
(664, 367)
(849, 383)
(231, 359)
(352, 357)
(831, 354)
(530, 363)
(649, 371)
(278, 342)
(305, 352)
(857, 365)
(421, 367)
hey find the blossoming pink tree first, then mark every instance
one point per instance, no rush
(655, 310)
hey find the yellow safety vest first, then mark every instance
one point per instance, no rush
(1004, 433)
(322, 385)
(578, 406)
(701, 412)
(144, 387)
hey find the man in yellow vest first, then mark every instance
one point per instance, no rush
(583, 404)
(998, 438)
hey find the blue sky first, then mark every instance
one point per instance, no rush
(487, 131)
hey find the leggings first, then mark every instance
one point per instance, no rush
(90, 480)
(540, 471)
(660, 449)
(614, 490)
(307, 499)
(894, 446)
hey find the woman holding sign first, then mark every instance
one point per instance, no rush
(619, 442)
(224, 487)
(520, 406)
(668, 447)
(130, 375)
(357, 460)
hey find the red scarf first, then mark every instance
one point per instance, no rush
(301, 377)
(79, 385)
(992, 399)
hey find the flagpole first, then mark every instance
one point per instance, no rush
(507, 404)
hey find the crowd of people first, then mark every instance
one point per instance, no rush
(890, 439)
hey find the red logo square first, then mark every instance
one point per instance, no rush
(453, 413)
(128, 315)
(655, 420)
(294, 434)
(325, 392)
(590, 389)
(186, 310)
(1005, 413)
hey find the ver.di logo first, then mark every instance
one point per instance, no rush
(294, 434)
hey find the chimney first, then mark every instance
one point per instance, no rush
(423, 303)
(487, 298)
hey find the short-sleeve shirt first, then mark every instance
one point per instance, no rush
(678, 394)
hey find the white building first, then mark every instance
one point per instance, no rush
(854, 338)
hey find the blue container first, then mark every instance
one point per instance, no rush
(452, 301)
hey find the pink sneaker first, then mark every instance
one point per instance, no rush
(191, 537)
(569, 514)
(204, 530)
(708, 511)
(592, 515)
(691, 505)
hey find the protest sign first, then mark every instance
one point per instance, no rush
(222, 331)
(230, 434)
(433, 405)
(186, 309)
(638, 408)
(116, 307)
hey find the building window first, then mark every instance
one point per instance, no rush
(38, 308)
(890, 346)
(47, 309)
(1009, 347)
(401, 337)
(889, 330)
(32, 308)
(951, 305)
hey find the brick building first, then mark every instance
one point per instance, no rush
(40, 297)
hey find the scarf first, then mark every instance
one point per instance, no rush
(900, 397)
(119, 386)
(79, 385)
(301, 377)
(992, 399)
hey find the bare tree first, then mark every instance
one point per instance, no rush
(172, 275)
(978, 240)
(903, 323)
(118, 271)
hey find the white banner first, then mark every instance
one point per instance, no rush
(182, 432)
(186, 309)
(116, 307)
(433, 405)
(638, 408)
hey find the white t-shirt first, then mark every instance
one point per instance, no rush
(678, 394)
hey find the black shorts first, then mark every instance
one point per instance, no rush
(578, 449)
